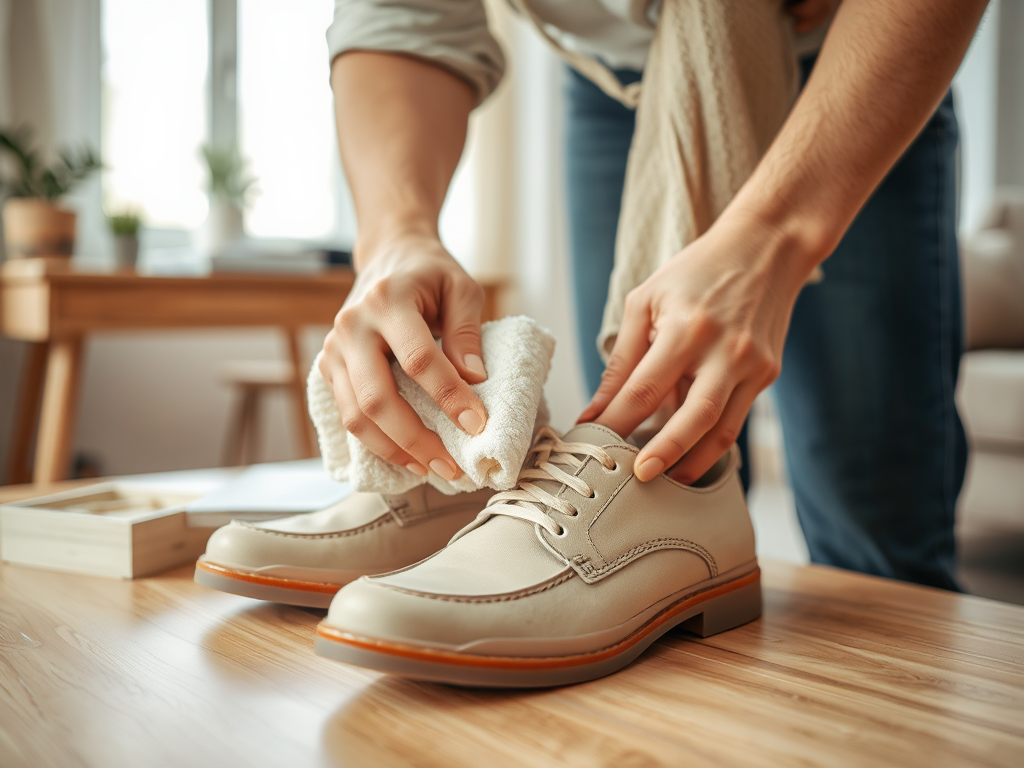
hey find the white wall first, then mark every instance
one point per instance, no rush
(153, 401)
(542, 248)
(975, 89)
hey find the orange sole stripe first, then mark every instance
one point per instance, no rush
(270, 581)
(538, 663)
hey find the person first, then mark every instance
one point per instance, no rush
(862, 173)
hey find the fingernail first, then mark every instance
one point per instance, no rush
(475, 364)
(650, 468)
(442, 469)
(416, 468)
(471, 422)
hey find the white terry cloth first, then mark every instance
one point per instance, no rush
(517, 355)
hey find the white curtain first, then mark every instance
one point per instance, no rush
(50, 58)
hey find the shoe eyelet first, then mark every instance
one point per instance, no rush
(575, 512)
(613, 468)
(562, 532)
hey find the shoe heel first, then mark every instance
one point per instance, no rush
(726, 611)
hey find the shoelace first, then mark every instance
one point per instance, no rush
(528, 501)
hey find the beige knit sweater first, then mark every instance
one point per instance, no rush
(720, 78)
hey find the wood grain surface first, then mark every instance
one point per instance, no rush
(842, 669)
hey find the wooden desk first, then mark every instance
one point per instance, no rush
(842, 669)
(56, 310)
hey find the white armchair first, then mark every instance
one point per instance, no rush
(991, 391)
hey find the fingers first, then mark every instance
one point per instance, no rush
(631, 344)
(378, 407)
(719, 439)
(369, 434)
(653, 379)
(699, 414)
(416, 351)
(460, 330)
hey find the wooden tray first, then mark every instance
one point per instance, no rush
(109, 529)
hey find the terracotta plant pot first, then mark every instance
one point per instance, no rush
(35, 227)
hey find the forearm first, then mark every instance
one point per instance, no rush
(883, 70)
(401, 130)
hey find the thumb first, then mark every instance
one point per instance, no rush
(460, 331)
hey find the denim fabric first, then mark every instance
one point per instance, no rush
(599, 131)
(875, 448)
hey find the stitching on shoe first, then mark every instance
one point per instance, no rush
(381, 521)
(412, 518)
(611, 497)
(535, 590)
(654, 544)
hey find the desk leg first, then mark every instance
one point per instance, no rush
(60, 401)
(26, 414)
(303, 425)
(492, 301)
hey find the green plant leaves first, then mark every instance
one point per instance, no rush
(36, 180)
(125, 223)
(229, 178)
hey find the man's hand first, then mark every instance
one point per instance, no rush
(706, 331)
(410, 291)
(401, 129)
(708, 327)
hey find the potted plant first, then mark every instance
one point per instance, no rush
(125, 228)
(230, 188)
(34, 225)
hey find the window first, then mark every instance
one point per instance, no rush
(154, 108)
(286, 117)
(158, 82)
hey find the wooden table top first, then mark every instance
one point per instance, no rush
(842, 669)
(40, 302)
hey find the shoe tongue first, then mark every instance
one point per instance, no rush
(594, 434)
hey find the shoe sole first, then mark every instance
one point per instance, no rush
(705, 613)
(308, 594)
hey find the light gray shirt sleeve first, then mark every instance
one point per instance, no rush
(450, 33)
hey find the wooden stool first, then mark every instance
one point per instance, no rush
(253, 378)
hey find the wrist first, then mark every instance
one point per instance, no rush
(794, 240)
(387, 237)
(774, 247)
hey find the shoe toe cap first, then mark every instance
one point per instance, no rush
(241, 545)
(367, 609)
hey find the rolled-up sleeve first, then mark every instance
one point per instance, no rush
(450, 33)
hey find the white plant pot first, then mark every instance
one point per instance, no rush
(126, 250)
(224, 223)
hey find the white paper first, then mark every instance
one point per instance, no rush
(265, 491)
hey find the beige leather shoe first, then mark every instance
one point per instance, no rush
(305, 559)
(567, 578)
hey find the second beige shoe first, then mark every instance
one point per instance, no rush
(567, 578)
(305, 559)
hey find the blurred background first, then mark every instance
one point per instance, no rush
(149, 83)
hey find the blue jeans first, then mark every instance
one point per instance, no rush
(875, 448)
